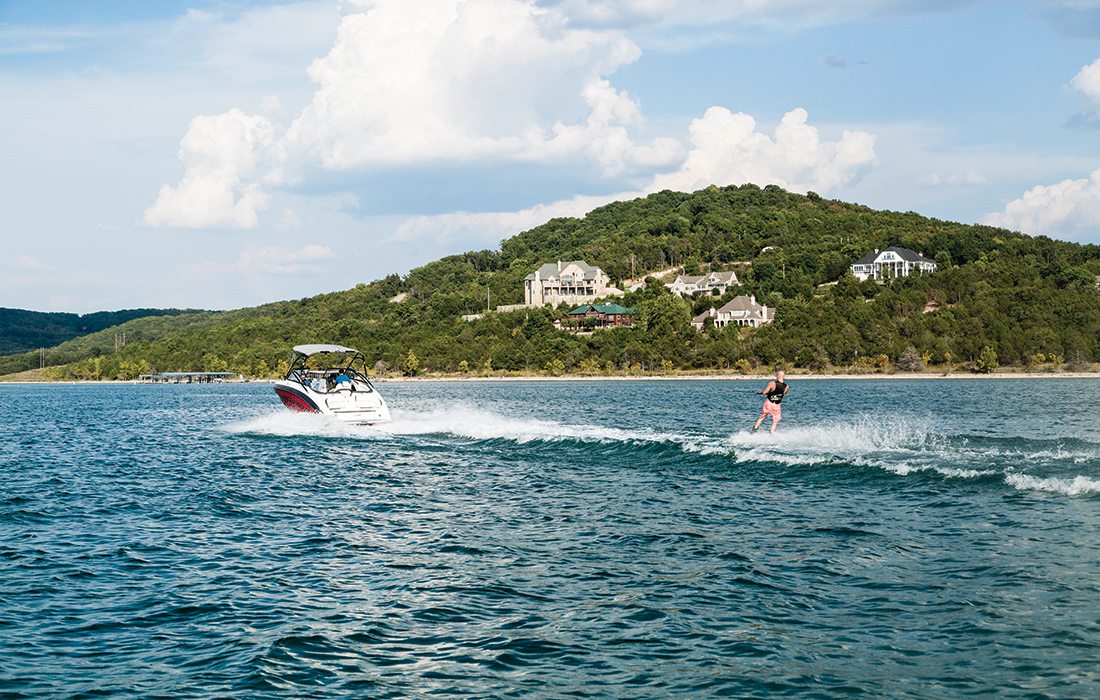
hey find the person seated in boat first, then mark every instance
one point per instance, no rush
(343, 381)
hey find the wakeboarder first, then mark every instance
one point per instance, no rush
(775, 391)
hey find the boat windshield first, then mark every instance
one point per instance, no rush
(331, 372)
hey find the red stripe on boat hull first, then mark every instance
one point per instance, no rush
(295, 401)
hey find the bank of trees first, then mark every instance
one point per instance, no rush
(1029, 300)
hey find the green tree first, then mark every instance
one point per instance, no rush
(987, 360)
(411, 365)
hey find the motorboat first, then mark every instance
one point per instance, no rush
(334, 384)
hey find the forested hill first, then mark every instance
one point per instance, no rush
(998, 298)
(22, 330)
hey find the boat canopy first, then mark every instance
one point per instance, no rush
(308, 350)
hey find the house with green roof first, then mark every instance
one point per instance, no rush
(595, 316)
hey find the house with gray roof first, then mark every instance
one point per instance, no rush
(742, 311)
(893, 262)
(573, 282)
(713, 283)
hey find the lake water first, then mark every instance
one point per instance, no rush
(590, 539)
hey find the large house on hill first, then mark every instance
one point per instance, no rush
(740, 311)
(893, 262)
(714, 283)
(573, 282)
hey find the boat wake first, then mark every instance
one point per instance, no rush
(899, 445)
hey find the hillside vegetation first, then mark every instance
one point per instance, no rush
(999, 298)
(22, 330)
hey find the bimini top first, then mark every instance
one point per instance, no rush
(308, 350)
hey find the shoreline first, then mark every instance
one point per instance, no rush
(897, 376)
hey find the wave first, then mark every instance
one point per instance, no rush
(292, 424)
(899, 445)
(479, 424)
(1077, 486)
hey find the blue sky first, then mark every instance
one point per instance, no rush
(218, 155)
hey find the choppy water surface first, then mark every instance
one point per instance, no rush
(616, 539)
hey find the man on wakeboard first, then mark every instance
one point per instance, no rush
(775, 391)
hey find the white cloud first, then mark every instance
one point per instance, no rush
(222, 156)
(1070, 208)
(1087, 80)
(411, 81)
(728, 150)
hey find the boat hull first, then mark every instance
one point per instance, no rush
(359, 408)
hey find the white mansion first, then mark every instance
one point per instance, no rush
(739, 311)
(573, 282)
(890, 263)
(715, 283)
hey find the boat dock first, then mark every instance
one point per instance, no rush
(186, 377)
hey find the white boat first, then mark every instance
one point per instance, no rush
(335, 384)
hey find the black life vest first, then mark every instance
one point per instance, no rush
(776, 395)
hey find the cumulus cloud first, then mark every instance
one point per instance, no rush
(726, 149)
(1070, 208)
(222, 156)
(425, 80)
(1087, 80)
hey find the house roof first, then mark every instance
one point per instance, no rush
(737, 308)
(601, 308)
(741, 303)
(743, 306)
(553, 270)
(903, 253)
(729, 276)
(690, 279)
(701, 318)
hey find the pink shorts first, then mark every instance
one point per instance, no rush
(773, 410)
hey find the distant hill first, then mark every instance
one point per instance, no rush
(998, 298)
(22, 330)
